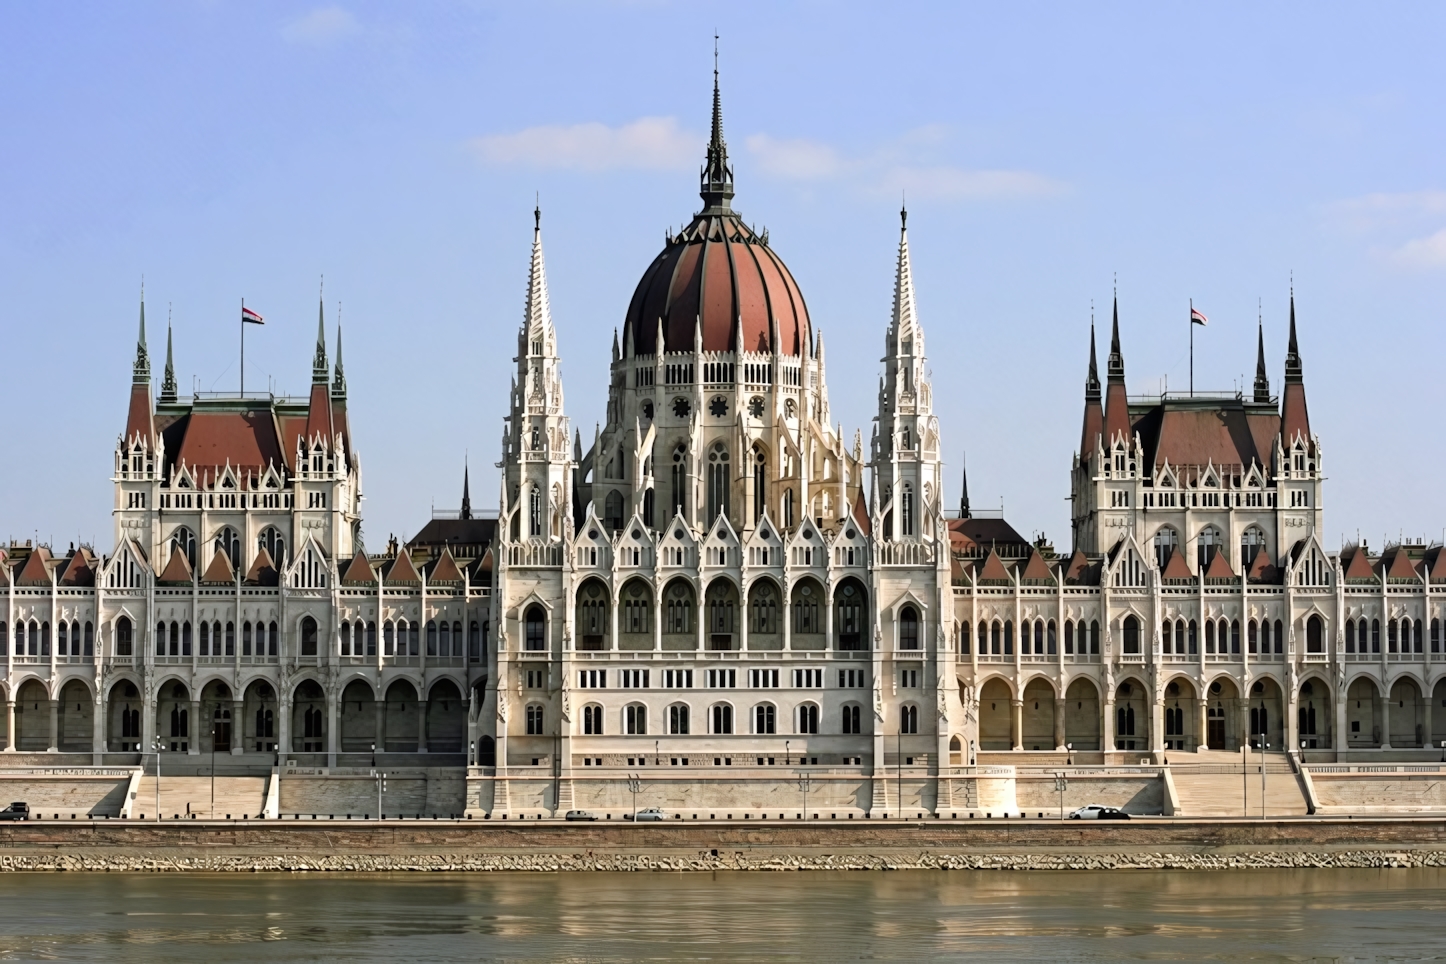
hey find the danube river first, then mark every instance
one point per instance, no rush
(1255, 915)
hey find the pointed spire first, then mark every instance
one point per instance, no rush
(319, 366)
(1117, 359)
(1293, 367)
(716, 186)
(904, 326)
(964, 499)
(537, 318)
(1094, 413)
(338, 378)
(466, 490)
(168, 383)
(1092, 380)
(141, 372)
(1262, 379)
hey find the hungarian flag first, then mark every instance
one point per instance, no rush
(249, 316)
(1197, 317)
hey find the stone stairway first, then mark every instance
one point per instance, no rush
(1211, 784)
(236, 796)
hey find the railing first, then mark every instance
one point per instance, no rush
(535, 555)
(905, 554)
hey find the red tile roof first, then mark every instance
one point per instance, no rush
(1219, 567)
(445, 569)
(1037, 568)
(401, 569)
(220, 569)
(139, 420)
(247, 441)
(35, 572)
(993, 570)
(79, 569)
(1078, 568)
(1357, 565)
(861, 515)
(263, 570)
(359, 571)
(1398, 566)
(178, 569)
(1176, 568)
(1262, 569)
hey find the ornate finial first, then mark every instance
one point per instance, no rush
(537, 212)
(141, 371)
(717, 176)
(168, 384)
(338, 378)
(903, 211)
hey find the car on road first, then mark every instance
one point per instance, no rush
(19, 810)
(651, 813)
(580, 815)
(1098, 811)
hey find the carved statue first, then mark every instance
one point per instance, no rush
(878, 700)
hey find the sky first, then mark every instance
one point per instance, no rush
(1051, 154)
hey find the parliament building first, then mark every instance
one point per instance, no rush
(723, 600)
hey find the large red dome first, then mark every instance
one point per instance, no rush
(714, 276)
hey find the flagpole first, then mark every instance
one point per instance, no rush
(243, 347)
(1192, 347)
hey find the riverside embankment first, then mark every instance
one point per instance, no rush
(549, 846)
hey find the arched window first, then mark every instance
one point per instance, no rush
(229, 542)
(534, 512)
(1166, 640)
(679, 479)
(1235, 637)
(388, 639)
(1279, 637)
(1210, 636)
(274, 543)
(851, 718)
(678, 719)
(1435, 634)
(722, 718)
(534, 719)
(1094, 637)
(1069, 637)
(760, 483)
(649, 507)
(1375, 636)
(431, 637)
(123, 640)
(1252, 540)
(1193, 638)
(765, 718)
(808, 718)
(1132, 634)
(1314, 635)
(185, 638)
(230, 639)
(592, 720)
(1050, 634)
(635, 719)
(718, 482)
(1009, 637)
(613, 510)
(1209, 542)
(414, 639)
(308, 636)
(1252, 636)
(906, 510)
(788, 508)
(1167, 540)
(909, 628)
(345, 636)
(534, 628)
(274, 640)
(849, 616)
(909, 718)
(184, 540)
(474, 641)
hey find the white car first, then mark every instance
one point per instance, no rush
(651, 813)
(1098, 811)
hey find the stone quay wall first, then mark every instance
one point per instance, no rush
(462, 845)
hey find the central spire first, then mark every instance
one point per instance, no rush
(537, 320)
(320, 370)
(141, 370)
(168, 384)
(905, 323)
(716, 186)
(1262, 377)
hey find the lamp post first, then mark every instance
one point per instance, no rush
(213, 766)
(1069, 754)
(157, 746)
(1061, 782)
(381, 779)
(787, 760)
(899, 765)
(1265, 747)
(634, 785)
(805, 784)
(472, 753)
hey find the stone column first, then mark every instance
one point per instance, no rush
(1291, 727)
(238, 727)
(1156, 724)
(381, 729)
(333, 728)
(1016, 724)
(421, 726)
(1380, 716)
(10, 726)
(1244, 722)
(54, 744)
(1107, 731)
(1059, 710)
(97, 730)
(194, 728)
(283, 730)
(1340, 733)
(1426, 721)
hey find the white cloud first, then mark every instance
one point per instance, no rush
(321, 27)
(896, 167)
(649, 143)
(1427, 252)
(1372, 212)
(960, 184)
(798, 158)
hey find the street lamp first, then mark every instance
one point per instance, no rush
(634, 785)
(381, 779)
(787, 760)
(213, 767)
(472, 753)
(157, 745)
(805, 784)
(1265, 748)
(1069, 754)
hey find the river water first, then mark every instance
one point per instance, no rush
(1255, 915)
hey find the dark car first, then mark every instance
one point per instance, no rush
(580, 815)
(19, 810)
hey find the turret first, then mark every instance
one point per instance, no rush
(1094, 413)
(168, 384)
(1262, 380)
(1295, 422)
(1117, 405)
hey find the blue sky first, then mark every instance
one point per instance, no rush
(225, 149)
